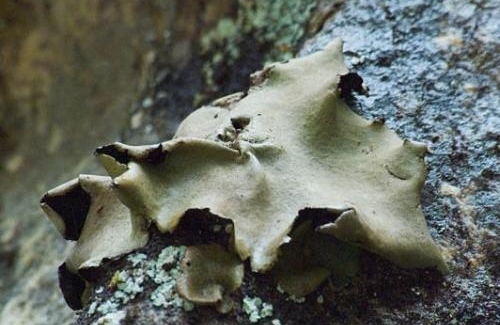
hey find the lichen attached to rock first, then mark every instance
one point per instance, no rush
(87, 211)
(210, 273)
(290, 144)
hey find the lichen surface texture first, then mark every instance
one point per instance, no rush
(259, 160)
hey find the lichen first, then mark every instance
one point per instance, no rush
(209, 274)
(126, 285)
(165, 272)
(256, 309)
(311, 263)
(87, 211)
(302, 148)
(289, 155)
(114, 318)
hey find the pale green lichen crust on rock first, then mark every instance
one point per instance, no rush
(290, 144)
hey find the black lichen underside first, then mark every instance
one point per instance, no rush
(157, 155)
(239, 123)
(112, 151)
(73, 207)
(317, 216)
(196, 227)
(351, 82)
(72, 287)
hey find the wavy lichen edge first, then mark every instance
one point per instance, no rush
(291, 143)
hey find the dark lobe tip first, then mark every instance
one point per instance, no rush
(72, 287)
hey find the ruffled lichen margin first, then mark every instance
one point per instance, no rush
(258, 159)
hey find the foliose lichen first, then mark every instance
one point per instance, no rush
(303, 181)
(210, 274)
